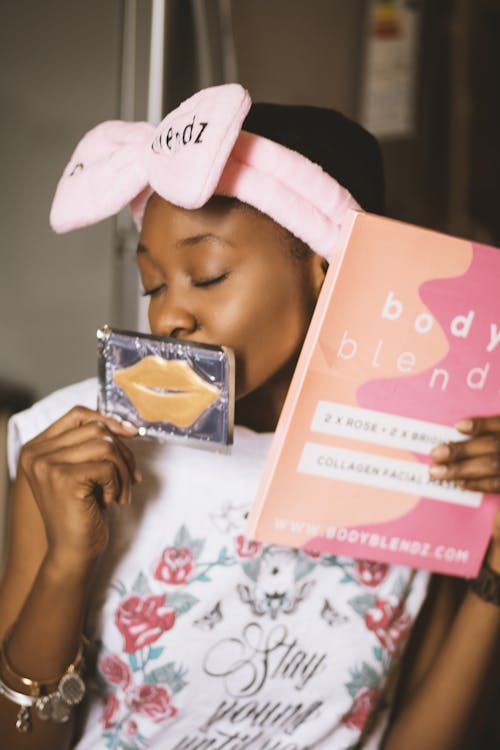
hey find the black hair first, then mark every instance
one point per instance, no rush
(344, 149)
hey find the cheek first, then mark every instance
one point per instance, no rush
(277, 340)
(266, 331)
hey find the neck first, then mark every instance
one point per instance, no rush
(261, 409)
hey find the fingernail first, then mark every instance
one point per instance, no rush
(465, 425)
(441, 452)
(438, 472)
(137, 475)
(117, 425)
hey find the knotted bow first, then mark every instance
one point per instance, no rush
(197, 151)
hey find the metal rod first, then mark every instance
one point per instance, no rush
(155, 104)
(229, 58)
(124, 274)
(127, 77)
(156, 58)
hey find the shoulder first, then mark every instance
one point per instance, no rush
(30, 422)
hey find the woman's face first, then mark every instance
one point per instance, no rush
(224, 274)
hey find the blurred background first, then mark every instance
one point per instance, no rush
(422, 75)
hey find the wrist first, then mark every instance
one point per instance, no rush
(62, 566)
(487, 585)
(493, 557)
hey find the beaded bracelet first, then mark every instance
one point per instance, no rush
(487, 585)
(52, 699)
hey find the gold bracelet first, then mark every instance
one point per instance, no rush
(32, 687)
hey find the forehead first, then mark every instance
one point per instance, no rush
(230, 220)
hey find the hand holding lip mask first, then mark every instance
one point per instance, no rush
(168, 388)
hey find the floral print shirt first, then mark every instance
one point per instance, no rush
(208, 640)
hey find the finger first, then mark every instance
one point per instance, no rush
(457, 451)
(129, 459)
(470, 468)
(80, 415)
(486, 484)
(75, 437)
(102, 449)
(96, 480)
(479, 425)
(99, 430)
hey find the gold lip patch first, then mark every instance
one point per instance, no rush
(166, 390)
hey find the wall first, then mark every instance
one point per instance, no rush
(292, 52)
(59, 65)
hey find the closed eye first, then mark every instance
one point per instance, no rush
(202, 283)
(210, 282)
(152, 292)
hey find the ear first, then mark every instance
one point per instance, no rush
(319, 267)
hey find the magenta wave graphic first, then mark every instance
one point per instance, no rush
(473, 372)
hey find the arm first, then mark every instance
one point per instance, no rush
(452, 664)
(66, 479)
(442, 707)
(33, 586)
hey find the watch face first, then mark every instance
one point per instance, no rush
(487, 585)
(71, 688)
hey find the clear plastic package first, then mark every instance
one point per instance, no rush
(168, 388)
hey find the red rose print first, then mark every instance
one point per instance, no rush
(361, 708)
(111, 705)
(153, 701)
(393, 638)
(141, 620)
(390, 624)
(371, 573)
(132, 728)
(381, 614)
(115, 670)
(175, 565)
(312, 555)
(246, 547)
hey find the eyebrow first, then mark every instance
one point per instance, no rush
(199, 238)
(192, 241)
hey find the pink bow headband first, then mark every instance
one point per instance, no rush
(197, 151)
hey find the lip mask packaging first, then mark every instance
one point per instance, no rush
(168, 388)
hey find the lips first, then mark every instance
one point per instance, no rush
(166, 390)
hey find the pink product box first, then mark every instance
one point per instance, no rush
(404, 342)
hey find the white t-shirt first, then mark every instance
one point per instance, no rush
(210, 641)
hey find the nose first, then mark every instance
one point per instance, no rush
(172, 318)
